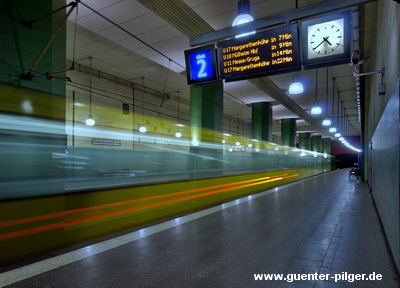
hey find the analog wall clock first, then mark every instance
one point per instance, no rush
(326, 40)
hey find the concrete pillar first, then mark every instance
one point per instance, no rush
(20, 48)
(261, 115)
(206, 113)
(305, 141)
(326, 149)
(316, 143)
(206, 107)
(288, 132)
(22, 45)
(326, 146)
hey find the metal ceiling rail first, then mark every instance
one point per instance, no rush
(308, 11)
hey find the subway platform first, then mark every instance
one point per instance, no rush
(319, 232)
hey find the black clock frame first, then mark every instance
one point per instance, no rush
(328, 60)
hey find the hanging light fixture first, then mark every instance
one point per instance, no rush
(178, 133)
(333, 128)
(316, 110)
(296, 87)
(90, 121)
(327, 121)
(345, 131)
(243, 16)
(337, 134)
(341, 138)
(142, 127)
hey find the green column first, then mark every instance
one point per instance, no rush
(288, 132)
(207, 122)
(305, 141)
(206, 107)
(20, 48)
(262, 121)
(22, 45)
(316, 143)
(326, 149)
(326, 146)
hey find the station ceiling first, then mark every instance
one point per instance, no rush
(155, 34)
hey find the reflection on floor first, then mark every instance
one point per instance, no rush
(302, 231)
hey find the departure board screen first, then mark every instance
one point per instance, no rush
(201, 65)
(270, 52)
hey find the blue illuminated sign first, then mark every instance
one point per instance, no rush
(201, 65)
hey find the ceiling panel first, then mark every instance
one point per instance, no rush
(122, 11)
(114, 34)
(162, 34)
(118, 53)
(93, 22)
(145, 23)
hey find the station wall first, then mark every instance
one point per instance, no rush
(381, 130)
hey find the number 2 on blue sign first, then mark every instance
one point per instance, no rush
(202, 63)
(203, 66)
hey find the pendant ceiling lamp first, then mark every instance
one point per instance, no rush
(337, 134)
(142, 127)
(333, 128)
(90, 121)
(316, 109)
(243, 17)
(327, 121)
(296, 87)
(178, 133)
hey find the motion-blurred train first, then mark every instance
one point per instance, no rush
(64, 183)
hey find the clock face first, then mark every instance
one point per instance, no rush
(325, 39)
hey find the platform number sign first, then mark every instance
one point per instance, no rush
(201, 65)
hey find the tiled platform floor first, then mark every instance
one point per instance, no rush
(325, 224)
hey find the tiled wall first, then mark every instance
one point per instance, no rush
(382, 118)
(384, 171)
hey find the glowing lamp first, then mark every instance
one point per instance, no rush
(90, 121)
(326, 122)
(243, 16)
(316, 110)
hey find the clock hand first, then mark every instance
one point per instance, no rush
(319, 44)
(326, 39)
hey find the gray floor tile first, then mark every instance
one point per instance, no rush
(325, 224)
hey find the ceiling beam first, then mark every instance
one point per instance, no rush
(269, 87)
(178, 14)
(316, 9)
